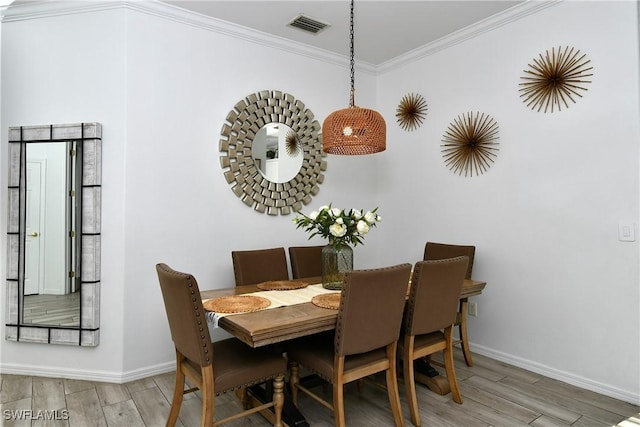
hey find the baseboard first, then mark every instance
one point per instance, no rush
(556, 374)
(137, 374)
(88, 375)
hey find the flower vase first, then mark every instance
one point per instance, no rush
(335, 263)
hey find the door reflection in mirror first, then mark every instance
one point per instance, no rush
(277, 152)
(50, 294)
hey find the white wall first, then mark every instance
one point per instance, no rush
(71, 69)
(562, 293)
(162, 90)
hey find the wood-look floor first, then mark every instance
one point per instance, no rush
(494, 394)
(60, 310)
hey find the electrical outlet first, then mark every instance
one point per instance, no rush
(626, 231)
(472, 309)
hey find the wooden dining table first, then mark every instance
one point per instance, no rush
(280, 324)
(264, 327)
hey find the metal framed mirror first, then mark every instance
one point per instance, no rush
(272, 152)
(53, 234)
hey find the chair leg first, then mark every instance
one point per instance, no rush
(243, 395)
(410, 381)
(392, 385)
(278, 399)
(208, 397)
(462, 329)
(294, 379)
(338, 392)
(450, 367)
(178, 393)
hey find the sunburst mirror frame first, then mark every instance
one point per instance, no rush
(246, 118)
(555, 78)
(411, 111)
(469, 144)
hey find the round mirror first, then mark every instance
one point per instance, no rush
(247, 143)
(277, 152)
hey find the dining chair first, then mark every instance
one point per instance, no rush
(433, 251)
(428, 323)
(364, 342)
(217, 367)
(306, 261)
(260, 265)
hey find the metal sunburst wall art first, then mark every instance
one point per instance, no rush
(292, 144)
(555, 78)
(411, 111)
(469, 145)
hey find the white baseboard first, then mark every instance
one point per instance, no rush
(88, 375)
(137, 374)
(563, 376)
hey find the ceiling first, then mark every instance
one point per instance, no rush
(383, 29)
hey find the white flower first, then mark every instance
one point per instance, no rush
(340, 221)
(370, 217)
(313, 215)
(336, 211)
(363, 227)
(378, 218)
(323, 208)
(337, 230)
(356, 214)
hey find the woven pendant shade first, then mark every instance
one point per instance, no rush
(354, 131)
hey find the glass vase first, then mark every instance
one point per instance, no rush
(335, 262)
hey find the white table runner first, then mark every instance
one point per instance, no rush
(277, 298)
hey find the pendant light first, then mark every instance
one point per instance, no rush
(354, 130)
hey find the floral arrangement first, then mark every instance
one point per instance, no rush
(342, 227)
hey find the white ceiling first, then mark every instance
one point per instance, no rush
(383, 29)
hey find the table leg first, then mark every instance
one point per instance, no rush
(291, 416)
(427, 375)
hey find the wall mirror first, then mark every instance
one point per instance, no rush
(272, 152)
(53, 234)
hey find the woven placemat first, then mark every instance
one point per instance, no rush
(282, 285)
(236, 304)
(331, 300)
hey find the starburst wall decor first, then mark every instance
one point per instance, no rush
(292, 144)
(411, 111)
(469, 145)
(555, 78)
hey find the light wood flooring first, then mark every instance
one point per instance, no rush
(494, 394)
(60, 310)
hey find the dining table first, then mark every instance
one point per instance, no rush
(289, 321)
(284, 323)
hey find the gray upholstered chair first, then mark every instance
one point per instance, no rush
(429, 318)
(251, 267)
(365, 340)
(306, 261)
(442, 251)
(217, 367)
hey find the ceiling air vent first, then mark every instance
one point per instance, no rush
(308, 24)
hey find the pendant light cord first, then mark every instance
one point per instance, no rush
(353, 73)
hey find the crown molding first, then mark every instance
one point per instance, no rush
(44, 9)
(498, 20)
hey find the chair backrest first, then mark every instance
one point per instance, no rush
(187, 319)
(371, 307)
(443, 250)
(306, 261)
(259, 265)
(434, 295)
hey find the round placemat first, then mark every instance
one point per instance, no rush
(331, 300)
(236, 304)
(282, 285)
